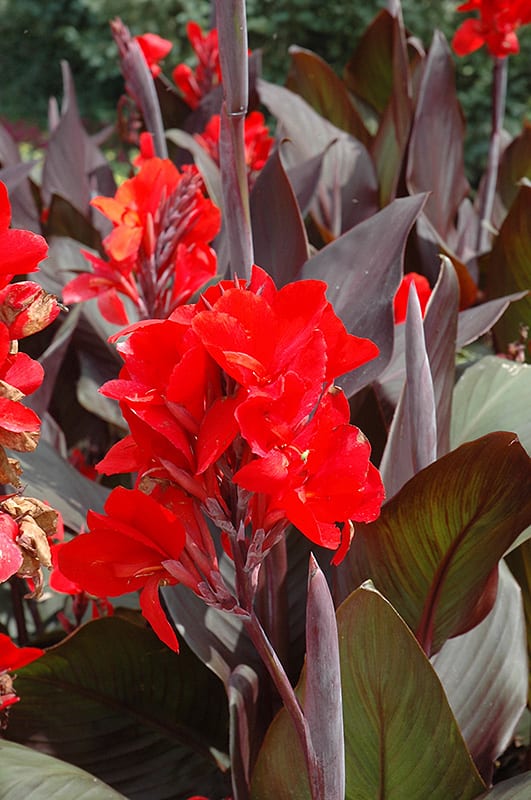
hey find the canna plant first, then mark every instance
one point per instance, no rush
(305, 558)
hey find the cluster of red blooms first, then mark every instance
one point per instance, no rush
(26, 525)
(234, 415)
(158, 252)
(495, 27)
(257, 141)
(25, 308)
(196, 83)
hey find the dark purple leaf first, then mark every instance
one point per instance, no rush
(508, 269)
(64, 167)
(348, 189)
(47, 475)
(139, 84)
(515, 164)
(243, 695)
(440, 331)
(435, 160)
(232, 30)
(369, 73)
(304, 179)
(322, 703)
(474, 322)
(279, 236)
(363, 269)
(390, 144)
(147, 721)
(311, 78)
(471, 324)
(412, 442)
(24, 213)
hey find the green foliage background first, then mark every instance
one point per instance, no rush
(36, 35)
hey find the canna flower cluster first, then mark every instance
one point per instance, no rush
(154, 48)
(158, 253)
(495, 27)
(25, 308)
(194, 84)
(257, 142)
(235, 418)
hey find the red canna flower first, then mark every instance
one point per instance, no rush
(495, 27)
(258, 142)
(235, 395)
(125, 551)
(401, 297)
(323, 477)
(155, 48)
(20, 251)
(196, 83)
(13, 657)
(158, 250)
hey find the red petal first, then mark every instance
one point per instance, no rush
(153, 612)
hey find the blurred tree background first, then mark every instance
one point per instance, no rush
(36, 35)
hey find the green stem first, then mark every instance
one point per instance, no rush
(499, 93)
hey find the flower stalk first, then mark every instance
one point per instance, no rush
(499, 93)
(232, 31)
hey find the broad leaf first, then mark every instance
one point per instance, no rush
(111, 690)
(474, 322)
(508, 268)
(348, 188)
(279, 237)
(24, 213)
(27, 773)
(314, 80)
(435, 160)
(363, 269)
(50, 477)
(390, 144)
(369, 73)
(401, 739)
(304, 178)
(492, 395)
(515, 164)
(435, 548)
(485, 676)
(517, 788)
